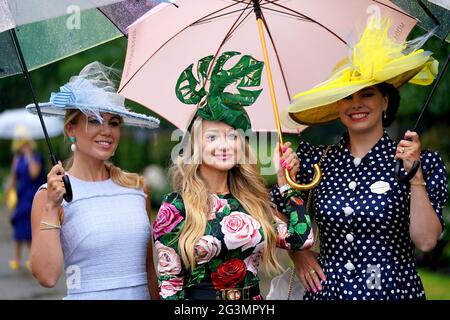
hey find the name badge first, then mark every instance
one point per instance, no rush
(380, 187)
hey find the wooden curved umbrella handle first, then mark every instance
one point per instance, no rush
(317, 171)
(315, 181)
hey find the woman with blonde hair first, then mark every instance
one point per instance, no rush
(103, 236)
(215, 229)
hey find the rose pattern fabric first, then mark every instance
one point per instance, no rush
(229, 274)
(170, 287)
(283, 234)
(168, 217)
(207, 248)
(169, 262)
(218, 205)
(229, 254)
(253, 261)
(240, 230)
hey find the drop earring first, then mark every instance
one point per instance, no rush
(384, 114)
(73, 147)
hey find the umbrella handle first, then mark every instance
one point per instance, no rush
(412, 172)
(408, 176)
(68, 196)
(314, 182)
(317, 171)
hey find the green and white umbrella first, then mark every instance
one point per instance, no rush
(17, 13)
(50, 30)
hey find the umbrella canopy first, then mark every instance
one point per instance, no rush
(48, 41)
(49, 30)
(305, 39)
(15, 13)
(10, 120)
(124, 13)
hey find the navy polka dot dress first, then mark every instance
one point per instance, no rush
(362, 213)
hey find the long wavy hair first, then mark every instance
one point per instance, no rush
(120, 177)
(245, 184)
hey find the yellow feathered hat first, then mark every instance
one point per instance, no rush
(374, 59)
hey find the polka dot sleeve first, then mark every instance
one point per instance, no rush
(434, 172)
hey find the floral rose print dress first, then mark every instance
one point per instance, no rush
(229, 254)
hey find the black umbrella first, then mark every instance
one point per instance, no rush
(433, 17)
(68, 195)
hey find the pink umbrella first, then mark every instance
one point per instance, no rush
(304, 41)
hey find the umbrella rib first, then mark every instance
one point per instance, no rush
(173, 37)
(234, 26)
(303, 18)
(277, 55)
(218, 16)
(310, 19)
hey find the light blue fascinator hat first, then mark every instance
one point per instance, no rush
(93, 93)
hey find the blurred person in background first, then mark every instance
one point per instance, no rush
(27, 175)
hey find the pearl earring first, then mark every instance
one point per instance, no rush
(73, 147)
(384, 114)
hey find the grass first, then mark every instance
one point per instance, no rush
(437, 285)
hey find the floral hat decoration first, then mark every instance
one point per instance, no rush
(93, 92)
(374, 59)
(214, 103)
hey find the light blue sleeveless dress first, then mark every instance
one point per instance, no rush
(104, 239)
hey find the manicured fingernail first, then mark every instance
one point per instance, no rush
(289, 167)
(283, 149)
(282, 161)
(314, 290)
(320, 288)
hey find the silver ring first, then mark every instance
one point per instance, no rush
(402, 150)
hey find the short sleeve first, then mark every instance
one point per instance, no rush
(435, 175)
